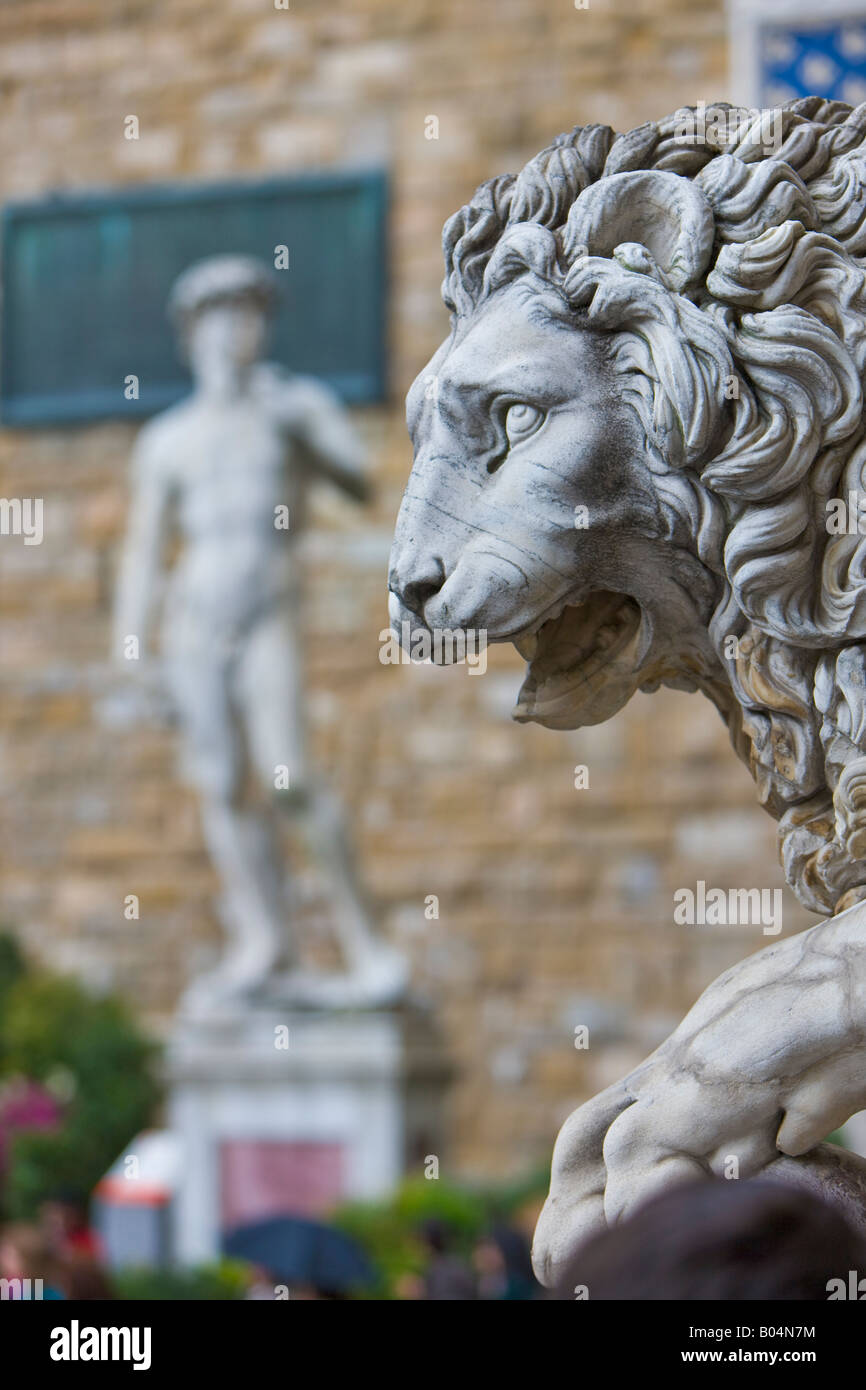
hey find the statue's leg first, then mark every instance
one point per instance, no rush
(270, 693)
(241, 843)
(239, 836)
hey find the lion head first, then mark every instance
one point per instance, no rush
(633, 449)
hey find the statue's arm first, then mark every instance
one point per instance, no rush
(142, 549)
(331, 446)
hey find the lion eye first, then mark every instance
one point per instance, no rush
(522, 420)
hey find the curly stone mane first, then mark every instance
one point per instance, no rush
(730, 269)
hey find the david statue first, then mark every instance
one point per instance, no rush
(647, 411)
(228, 469)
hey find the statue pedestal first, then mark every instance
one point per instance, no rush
(287, 1111)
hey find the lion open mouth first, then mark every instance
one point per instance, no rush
(579, 660)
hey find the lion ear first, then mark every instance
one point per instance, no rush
(663, 212)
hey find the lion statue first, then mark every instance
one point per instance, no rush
(639, 457)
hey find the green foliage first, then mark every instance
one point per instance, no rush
(389, 1230)
(463, 1211)
(11, 965)
(838, 1138)
(226, 1279)
(508, 1197)
(91, 1053)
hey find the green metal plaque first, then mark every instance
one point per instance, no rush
(85, 282)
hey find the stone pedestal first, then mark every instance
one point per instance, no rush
(280, 1111)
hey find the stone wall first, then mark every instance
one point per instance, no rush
(555, 904)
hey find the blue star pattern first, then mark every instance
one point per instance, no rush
(821, 60)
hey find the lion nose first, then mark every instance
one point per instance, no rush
(417, 586)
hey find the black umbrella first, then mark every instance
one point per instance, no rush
(297, 1251)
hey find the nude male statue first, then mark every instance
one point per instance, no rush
(232, 464)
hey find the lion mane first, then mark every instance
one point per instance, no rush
(730, 269)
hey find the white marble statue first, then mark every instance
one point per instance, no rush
(642, 463)
(230, 466)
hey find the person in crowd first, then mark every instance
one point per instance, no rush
(76, 1247)
(63, 1218)
(29, 1268)
(448, 1275)
(85, 1279)
(503, 1266)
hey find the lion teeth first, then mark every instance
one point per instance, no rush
(560, 648)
